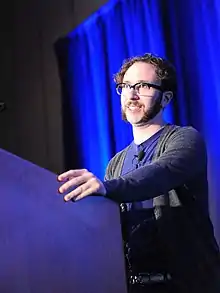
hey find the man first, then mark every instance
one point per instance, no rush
(161, 178)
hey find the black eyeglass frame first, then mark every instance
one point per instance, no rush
(155, 86)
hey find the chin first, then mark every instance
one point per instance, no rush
(134, 118)
(134, 122)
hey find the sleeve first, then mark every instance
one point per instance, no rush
(108, 171)
(183, 160)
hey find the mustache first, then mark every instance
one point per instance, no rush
(133, 103)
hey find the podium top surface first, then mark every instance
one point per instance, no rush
(48, 245)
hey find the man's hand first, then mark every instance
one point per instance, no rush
(82, 181)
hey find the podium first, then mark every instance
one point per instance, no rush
(49, 246)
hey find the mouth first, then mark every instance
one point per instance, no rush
(134, 108)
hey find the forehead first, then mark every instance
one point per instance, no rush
(140, 71)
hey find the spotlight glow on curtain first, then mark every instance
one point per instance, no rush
(187, 32)
(97, 48)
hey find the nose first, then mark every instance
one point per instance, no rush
(133, 95)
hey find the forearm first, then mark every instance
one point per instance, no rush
(184, 159)
(144, 184)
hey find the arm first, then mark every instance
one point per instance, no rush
(183, 160)
(108, 171)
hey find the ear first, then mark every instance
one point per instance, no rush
(166, 98)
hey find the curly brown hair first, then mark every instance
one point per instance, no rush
(164, 69)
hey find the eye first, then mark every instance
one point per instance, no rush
(125, 86)
(122, 88)
(144, 85)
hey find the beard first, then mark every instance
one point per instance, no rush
(148, 115)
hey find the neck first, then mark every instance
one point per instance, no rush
(142, 132)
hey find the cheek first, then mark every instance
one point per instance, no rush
(123, 101)
(147, 104)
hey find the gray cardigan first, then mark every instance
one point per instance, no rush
(179, 160)
(176, 179)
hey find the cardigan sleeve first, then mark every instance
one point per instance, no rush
(183, 160)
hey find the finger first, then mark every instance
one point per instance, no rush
(91, 187)
(87, 192)
(74, 182)
(77, 192)
(71, 173)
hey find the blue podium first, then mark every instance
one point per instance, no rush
(49, 246)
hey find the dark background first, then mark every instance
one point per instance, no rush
(29, 80)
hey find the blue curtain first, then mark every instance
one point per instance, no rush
(186, 32)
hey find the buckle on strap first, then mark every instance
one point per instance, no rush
(149, 278)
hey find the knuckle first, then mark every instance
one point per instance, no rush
(90, 175)
(71, 183)
(95, 183)
(93, 180)
(80, 190)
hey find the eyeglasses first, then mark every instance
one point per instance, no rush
(142, 88)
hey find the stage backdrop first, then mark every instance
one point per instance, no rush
(186, 32)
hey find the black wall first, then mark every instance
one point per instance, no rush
(31, 127)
